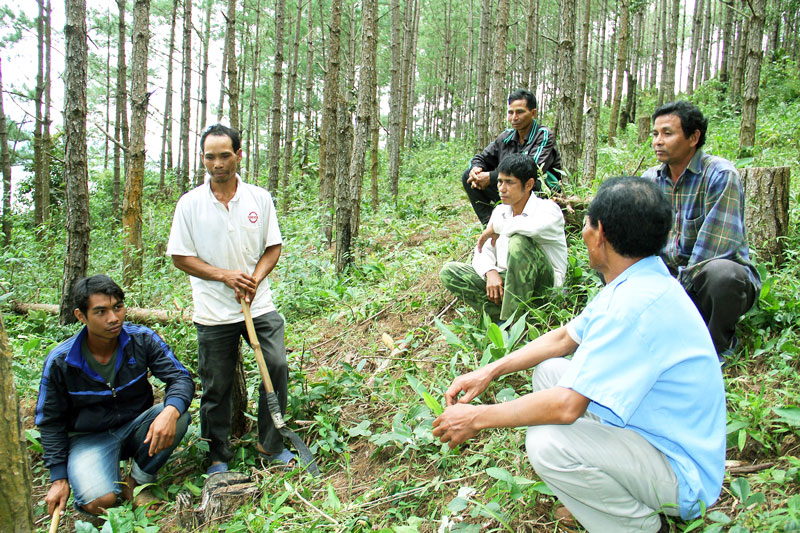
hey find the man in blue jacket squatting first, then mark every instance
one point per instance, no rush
(634, 423)
(96, 407)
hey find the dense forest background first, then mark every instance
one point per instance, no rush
(359, 117)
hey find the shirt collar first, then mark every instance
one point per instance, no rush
(75, 356)
(695, 165)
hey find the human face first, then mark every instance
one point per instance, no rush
(219, 158)
(104, 316)
(513, 192)
(670, 144)
(591, 238)
(520, 116)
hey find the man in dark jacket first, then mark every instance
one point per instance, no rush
(95, 403)
(525, 136)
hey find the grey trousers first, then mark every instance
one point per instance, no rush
(218, 350)
(611, 479)
(722, 292)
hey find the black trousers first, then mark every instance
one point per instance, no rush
(218, 350)
(723, 292)
(483, 200)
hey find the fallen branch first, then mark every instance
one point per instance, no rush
(748, 469)
(134, 314)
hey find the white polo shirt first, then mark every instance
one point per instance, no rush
(234, 238)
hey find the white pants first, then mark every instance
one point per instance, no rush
(611, 479)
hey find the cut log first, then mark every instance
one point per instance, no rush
(766, 212)
(574, 209)
(643, 125)
(134, 314)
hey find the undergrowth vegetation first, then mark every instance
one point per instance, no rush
(366, 405)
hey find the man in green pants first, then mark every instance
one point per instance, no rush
(522, 251)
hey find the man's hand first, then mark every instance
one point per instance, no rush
(487, 234)
(478, 179)
(243, 285)
(57, 496)
(161, 433)
(457, 424)
(471, 384)
(494, 287)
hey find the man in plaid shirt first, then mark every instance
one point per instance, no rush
(707, 247)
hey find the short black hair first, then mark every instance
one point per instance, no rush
(223, 131)
(97, 284)
(636, 215)
(520, 166)
(691, 117)
(523, 94)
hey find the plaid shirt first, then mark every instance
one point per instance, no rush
(708, 210)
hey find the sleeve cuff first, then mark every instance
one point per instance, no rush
(177, 403)
(58, 471)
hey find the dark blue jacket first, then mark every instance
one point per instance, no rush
(74, 398)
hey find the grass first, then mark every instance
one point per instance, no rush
(367, 411)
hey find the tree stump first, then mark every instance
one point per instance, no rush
(766, 212)
(222, 495)
(590, 146)
(643, 124)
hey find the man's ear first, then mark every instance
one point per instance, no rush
(79, 315)
(534, 112)
(694, 138)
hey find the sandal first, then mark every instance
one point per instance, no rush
(286, 460)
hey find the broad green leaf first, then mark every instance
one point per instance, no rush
(194, 489)
(449, 336)
(734, 426)
(500, 473)
(790, 415)
(742, 439)
(332, 501)
(506, 395)
(517, 330)
(432, 404)
(457, 504)
(740, 488)
(719, 517)
(495, 335)
(360, 430)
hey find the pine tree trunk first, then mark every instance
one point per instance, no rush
(481, 115)
(134, 180)
(16, 507)
(767, 192)
(204, 86)
(327, 142)
(186, 106)
(737, 79)
(395, 97)
(223, 77)
(535, 52)
(108, 89)
(566, 82)
(727, 31)
(410, 83)
(704, 69)
(286, 190)
(38, 176)
(747, 132)
(643, 129)
(122, 112)
(5, 166)
(671, 52)
(622, 57)
(499, 94)
(277, 87)
(309, 125)
(583, 62)
(162, 171)
(76, 80)
(600, 67)
(46, 140)
(697, 24)
(233, 76)
(374, 148)
(590, 146)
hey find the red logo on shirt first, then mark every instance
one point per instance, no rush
(253, 217)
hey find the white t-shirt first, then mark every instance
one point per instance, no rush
(234, 238)
(540, 219)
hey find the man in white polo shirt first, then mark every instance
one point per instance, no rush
(225, 235)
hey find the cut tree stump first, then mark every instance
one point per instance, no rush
(223, 494)
(766, 212)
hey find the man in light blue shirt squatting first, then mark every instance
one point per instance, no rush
(634, 423)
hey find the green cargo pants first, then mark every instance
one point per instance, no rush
(529, 274)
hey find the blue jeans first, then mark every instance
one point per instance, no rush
(93, 464)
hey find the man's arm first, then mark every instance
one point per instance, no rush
(545, 151)
(483, 174)
(265, 264)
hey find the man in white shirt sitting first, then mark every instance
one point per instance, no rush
(521, 253)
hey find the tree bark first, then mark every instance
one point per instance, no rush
(643, 129)
(622, 57)
(766, 214)
(566, 83)
(286, 190)
(697, 26)
(122, 111)
(704, 69)
(747, 132)
(134, 180)
(186, 105)
(5, 165)
(233, 76)
(309, 125)
(727, 31)
(38, 176)
(167, 126)
(76, 80)
(481, 115)
(47, 142)
(16, 507)
(277, 87)
(204, 85)
(582, 68)
(590, 146)
(395, 96)
(327, 142)
(499, 93)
